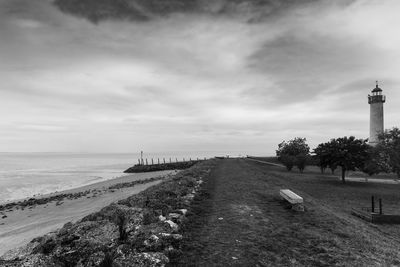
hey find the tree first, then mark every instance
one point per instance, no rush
(322, 156)
(389, 149)
(288, 160)
(324, 153)
(295, 152)
(348, 153)
(378, 161)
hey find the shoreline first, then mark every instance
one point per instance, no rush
(23, 220)
(144, 229)
(104, 183)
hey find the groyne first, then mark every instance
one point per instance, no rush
(162, 166)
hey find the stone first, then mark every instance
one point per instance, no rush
(150, 259)
(174, 216)
(173, 225)
(182, 211)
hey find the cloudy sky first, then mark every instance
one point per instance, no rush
(240, 79)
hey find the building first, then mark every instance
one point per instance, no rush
(376, 101)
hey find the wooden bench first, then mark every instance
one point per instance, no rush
(295, 200)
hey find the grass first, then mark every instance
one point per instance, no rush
(238, 219)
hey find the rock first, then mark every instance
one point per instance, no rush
(95, 259)
(153, 243)
(174, 216)
(150, 259)
(37, 260)
(173, 236)
(85, 239)
(19, 253)
(162, 218)
(173, 225)
(46, 244)
(189, 196)
(182, 211)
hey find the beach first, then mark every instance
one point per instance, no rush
(22, 222)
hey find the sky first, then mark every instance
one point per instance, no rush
(240, 81)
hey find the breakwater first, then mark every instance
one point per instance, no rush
(162, 166)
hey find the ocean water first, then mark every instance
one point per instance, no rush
(27, 174)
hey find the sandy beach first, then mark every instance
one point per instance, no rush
(20, 224)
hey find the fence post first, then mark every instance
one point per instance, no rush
(146, 162)
(380, 207)
(164, 160)
(372, 204)
(152, 163)
(170, 160)
(139, 161)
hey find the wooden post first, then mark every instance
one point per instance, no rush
(170, 160)
(190, 159)
(142, 162)
(372, 204)
(176, 160)
(158, 160)
(380, 207)
(139, 161)
(146, 162)
(141, 156)
(152, 163)
(197, 159)
(164, 160)
(183, 159)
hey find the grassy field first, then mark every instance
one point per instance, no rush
(238, 219)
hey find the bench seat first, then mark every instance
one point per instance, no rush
(292, 198)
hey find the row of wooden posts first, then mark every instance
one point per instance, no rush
(143, 161)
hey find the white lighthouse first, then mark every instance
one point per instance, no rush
(376, 101)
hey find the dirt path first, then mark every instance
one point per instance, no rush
(238, 219)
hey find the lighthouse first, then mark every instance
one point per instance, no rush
(375, 101)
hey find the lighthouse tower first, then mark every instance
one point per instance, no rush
(375, 101)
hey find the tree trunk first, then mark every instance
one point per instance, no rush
(343, 174)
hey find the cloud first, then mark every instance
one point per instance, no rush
(224, 75)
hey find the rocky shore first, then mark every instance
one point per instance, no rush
(142, 230)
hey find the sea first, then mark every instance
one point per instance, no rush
(25, 175)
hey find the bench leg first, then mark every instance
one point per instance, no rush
(298, 207)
